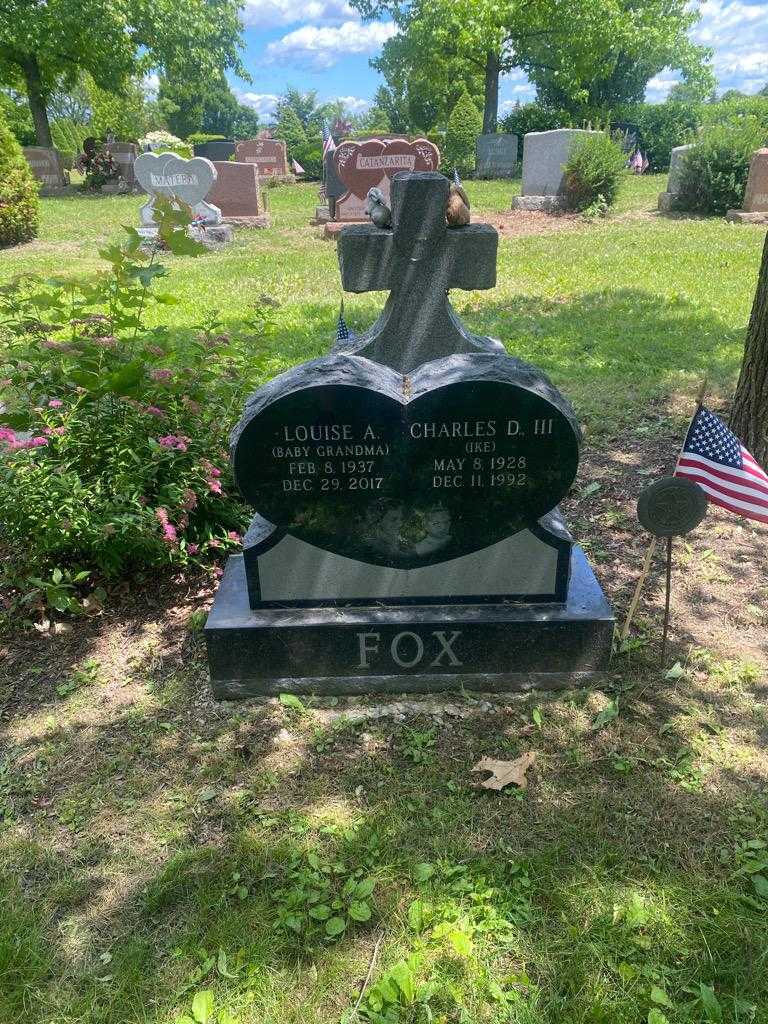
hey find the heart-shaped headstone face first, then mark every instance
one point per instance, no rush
(172, 175)
(362, 165)
(407, 471)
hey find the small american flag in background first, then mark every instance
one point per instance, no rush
(718, 462)
(343, 333)
(328, 144)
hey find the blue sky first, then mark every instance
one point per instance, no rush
(323, 45)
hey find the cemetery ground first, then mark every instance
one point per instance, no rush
(156, 846)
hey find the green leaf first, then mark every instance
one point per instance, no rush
(57, 575)
(359, 911)
(221, 965)
(202, 1006)
(364, 889)
(402, 976)
(321, 912)
(134, 240)
(537, 717)
(660, 997)
(712, 1009)
(335, 926)
(607, 715)
(290, 700)
(181, 244)
(416, 915)
(146, 275)
(675, 672)
(760, 883)
(423, 871)
(461, 942)
(656, 1017)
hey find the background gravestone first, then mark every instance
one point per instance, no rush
(544, 156)
(269, 155)
(47, 168)
(407, 535)
(236, 193)
(215, 150)
(754, 209)
(362, 165)
(496, 156)
(190, 181)
(668, 199)
(124, 155)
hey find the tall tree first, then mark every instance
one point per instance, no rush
(46, 45)
(749, 415)
(575, 41)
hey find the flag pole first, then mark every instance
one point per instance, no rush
(668, 595)
(700, 395)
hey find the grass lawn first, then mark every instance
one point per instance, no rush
(156, 846)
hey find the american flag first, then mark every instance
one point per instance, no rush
(296, 166)
(343, 333)
(456, 178)
(715, 459)
(328, 144)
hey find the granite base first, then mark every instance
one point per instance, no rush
(256, 221)
(540, 204)
(411, 649)
(745, 217)
(669, 202)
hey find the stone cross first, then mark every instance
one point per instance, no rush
(417, 260)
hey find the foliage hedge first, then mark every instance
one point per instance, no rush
(715, 172)
(19, 202)
(593, 171)
(310, 156)
(464, 125)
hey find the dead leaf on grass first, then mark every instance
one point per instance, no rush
(504, 773)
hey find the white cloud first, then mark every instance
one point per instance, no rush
(262, 102)
(658, 88)
(151, 84)
(321, 47)
(738, 33)
(267, 14)
(354, 104)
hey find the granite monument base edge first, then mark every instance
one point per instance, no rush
(410, 649)
(541, 204)
(746, 217)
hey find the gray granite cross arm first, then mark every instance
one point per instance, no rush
(417, 260)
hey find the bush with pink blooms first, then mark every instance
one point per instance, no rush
(113, 446)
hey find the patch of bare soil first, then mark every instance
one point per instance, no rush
(513, 223)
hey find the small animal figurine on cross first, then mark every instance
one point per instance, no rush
(418, 260)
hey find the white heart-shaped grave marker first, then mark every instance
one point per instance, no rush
(167, 174)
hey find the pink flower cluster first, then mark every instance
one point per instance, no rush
(154, 410)
(169, 530)
(16, 443)
(176, 441)
(212, 474)
(55, 403)
(160, 374)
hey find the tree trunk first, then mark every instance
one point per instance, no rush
(37, 101)
(749, 415)
(491, 104)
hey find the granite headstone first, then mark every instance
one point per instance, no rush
(544, 157)
(269, 155)
(496, 156)
(190, 181)
(215, 150)
(669, 199)
(236, 193)
(407, 534)
(754, 209)
(47, 167)
(373, 163)
(124, 154)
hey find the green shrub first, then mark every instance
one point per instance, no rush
(120, 461)
(464, 125)
(19, 202)
(310, 156)
(68, 136)
(18, 118)
(737, 110)
(715, 171)
(662, 127)
(536, 117)
(199, 138)
(593, 171)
